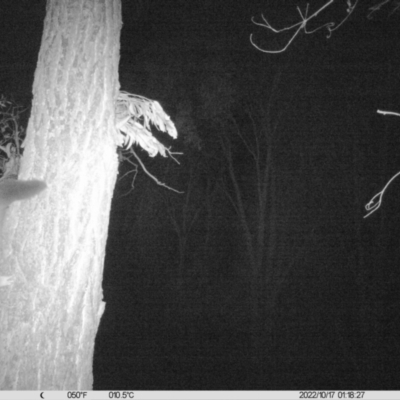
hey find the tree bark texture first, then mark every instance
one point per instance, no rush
(54, 244)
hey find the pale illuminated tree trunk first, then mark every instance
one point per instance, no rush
(55, 243)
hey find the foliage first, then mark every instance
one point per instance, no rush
(11, 133)
(135, 114)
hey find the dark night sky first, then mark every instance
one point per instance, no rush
(333, 154)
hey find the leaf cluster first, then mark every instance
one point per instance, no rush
(135, 114)
(11, 134)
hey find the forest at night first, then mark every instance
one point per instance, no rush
(249, 264)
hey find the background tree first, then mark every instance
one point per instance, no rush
(309, 21)
(247, 128)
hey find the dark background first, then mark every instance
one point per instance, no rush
(182, 309)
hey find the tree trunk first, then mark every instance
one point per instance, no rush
(55, 243)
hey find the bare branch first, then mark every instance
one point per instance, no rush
(151, 175)
(388, 113)
(302, 25)
(372, 206)
(381, 4)
(131, 171)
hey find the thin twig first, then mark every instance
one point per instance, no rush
(371, 205)
(150, 175)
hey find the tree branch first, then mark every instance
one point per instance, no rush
(302, 25)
